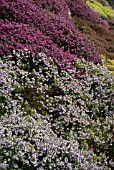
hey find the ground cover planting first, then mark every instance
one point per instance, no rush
(56, 95)
(49, 119)
(80, 9)
(103, 39)
(105, 10)
(108, 63)
(64, 34)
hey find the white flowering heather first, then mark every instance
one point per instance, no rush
(52, 119)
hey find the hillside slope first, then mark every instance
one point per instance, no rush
(56, 95)
(43, 17)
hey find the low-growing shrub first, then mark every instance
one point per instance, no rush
(53, 119)
(108, 63)
(82, 10)
(103, 10)
(21, 23)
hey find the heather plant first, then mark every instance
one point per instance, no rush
(20, 36)
(52, 118)
(57, 7)
(57, 27)
(103, 10)
(82, 10)
(108, 63)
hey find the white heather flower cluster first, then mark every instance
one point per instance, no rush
(51, 119)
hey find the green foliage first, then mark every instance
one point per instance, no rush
(108, 63)
(104, 11)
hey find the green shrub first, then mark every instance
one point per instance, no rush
(104, 11)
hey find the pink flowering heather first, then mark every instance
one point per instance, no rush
(80, 9)
(43, 26)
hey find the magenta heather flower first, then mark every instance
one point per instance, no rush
(44, 26)
(80, 9)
